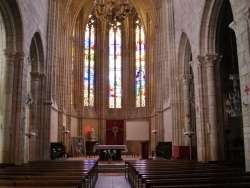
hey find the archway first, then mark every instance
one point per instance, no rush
(230, 97)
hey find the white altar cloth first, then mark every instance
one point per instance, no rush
(116, 147)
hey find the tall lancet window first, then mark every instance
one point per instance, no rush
(72, 65)
(140, 79)
(115, 66)
(89, 63)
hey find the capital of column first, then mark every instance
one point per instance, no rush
(42, 75)
(34, 75)
(211, 59)
(186, 79)
(20, 55)
(10, 54)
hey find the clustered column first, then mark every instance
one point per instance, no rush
(7, 104)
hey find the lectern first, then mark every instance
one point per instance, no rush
(144, 149)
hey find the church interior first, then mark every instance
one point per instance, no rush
(146, 78)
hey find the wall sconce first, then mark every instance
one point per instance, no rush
(188, 133)
(30, 134)
(66, 131)
(154, 131)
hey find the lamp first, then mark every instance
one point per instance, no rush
(233, 102)
(189, 134)
(30, 134)
(66, 131)
(112, 10)
(155, 132)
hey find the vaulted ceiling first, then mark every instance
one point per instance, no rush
(143, 7)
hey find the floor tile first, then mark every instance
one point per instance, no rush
(112, 182)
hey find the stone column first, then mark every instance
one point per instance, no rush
(43, 128)
(19, 114)
(7, 105)
(33, 114)
(186, 99)
(210, 60)
(198, 71)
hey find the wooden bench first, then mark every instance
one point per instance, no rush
(47, 173)
(154, 173)
(52, 183)
(220, 185)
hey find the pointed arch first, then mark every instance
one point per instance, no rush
(12, 44)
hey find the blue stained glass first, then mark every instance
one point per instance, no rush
(115, 83)
(140, 78)
(89, 74)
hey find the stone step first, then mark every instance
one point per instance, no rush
(111, 168)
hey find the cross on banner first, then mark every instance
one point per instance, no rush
(115, 129)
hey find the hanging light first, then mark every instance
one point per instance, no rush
(233, 102)
(111, 10)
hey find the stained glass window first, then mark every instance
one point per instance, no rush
(115, 64)
(140, 78)
(72, 66)
(89, 62)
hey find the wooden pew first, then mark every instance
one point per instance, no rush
(83, 173)
(146, 171)
(196, 180)
(220, 185)
(36, 187)
(52, 183)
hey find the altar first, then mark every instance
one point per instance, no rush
(103, 149)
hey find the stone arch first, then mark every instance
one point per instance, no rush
(34, 87)
(213, 29)
(185, 55)
(37, 53)
(208, 27)
(186, 92)
(13, 24)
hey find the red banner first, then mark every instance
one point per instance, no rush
(114, 132)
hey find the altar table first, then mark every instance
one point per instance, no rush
(117, 148)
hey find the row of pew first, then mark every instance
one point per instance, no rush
(50, 173)
(183, 174)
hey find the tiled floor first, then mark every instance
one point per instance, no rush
(112, 181)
